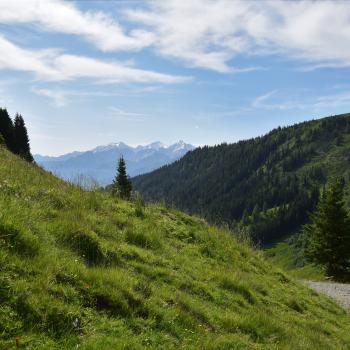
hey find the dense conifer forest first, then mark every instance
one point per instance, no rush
(269, 184)
(13, 133)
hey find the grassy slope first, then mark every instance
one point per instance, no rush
(81, 268)
(287, 256)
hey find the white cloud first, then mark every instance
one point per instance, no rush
(72, 66)
(64, 17)
(53, 65)
(16, 58)
(275, 100)
(59, 97)
(199, 33)
(208, 34)
(334, 100)
(260, 100)
(281, 102)
(122, 114)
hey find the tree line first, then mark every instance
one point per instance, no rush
(14, 135)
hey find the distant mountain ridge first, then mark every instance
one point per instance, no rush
(100, 162)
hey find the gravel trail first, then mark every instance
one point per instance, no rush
(340, 292)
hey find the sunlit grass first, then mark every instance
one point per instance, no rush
(83, 269)
(289, 258)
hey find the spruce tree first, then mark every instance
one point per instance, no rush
(7, 129)
(122, 184)
(328, 234)
(22, 146)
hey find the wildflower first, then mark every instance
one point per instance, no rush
(76, 323)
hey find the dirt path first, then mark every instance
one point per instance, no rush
(338, 291)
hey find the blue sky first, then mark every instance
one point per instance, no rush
(89, 73)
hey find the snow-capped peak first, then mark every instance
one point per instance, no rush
(156, 145)
(110, 146)
(180, 146)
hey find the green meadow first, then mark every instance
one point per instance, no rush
(84, 270)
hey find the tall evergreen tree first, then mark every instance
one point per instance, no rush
(22, 146)
(122, 183)
(328, 234)
(7, 129)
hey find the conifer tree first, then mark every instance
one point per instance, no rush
(122, 184)
(7, 129)
(22, 146)
(328, 234)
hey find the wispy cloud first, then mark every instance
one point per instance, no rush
(126, 115)
(312, 103)
(305, 30)
(333, 100)
(223, 29)
(64, 17)
(313, 67)
(260, 100)
(61, 97)
(58, 96)
(273, 100)
(277, 101)
(52, 65)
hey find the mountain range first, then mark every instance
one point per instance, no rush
(100, 163)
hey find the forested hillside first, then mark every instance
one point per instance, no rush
(86, 270)
(268, 183)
